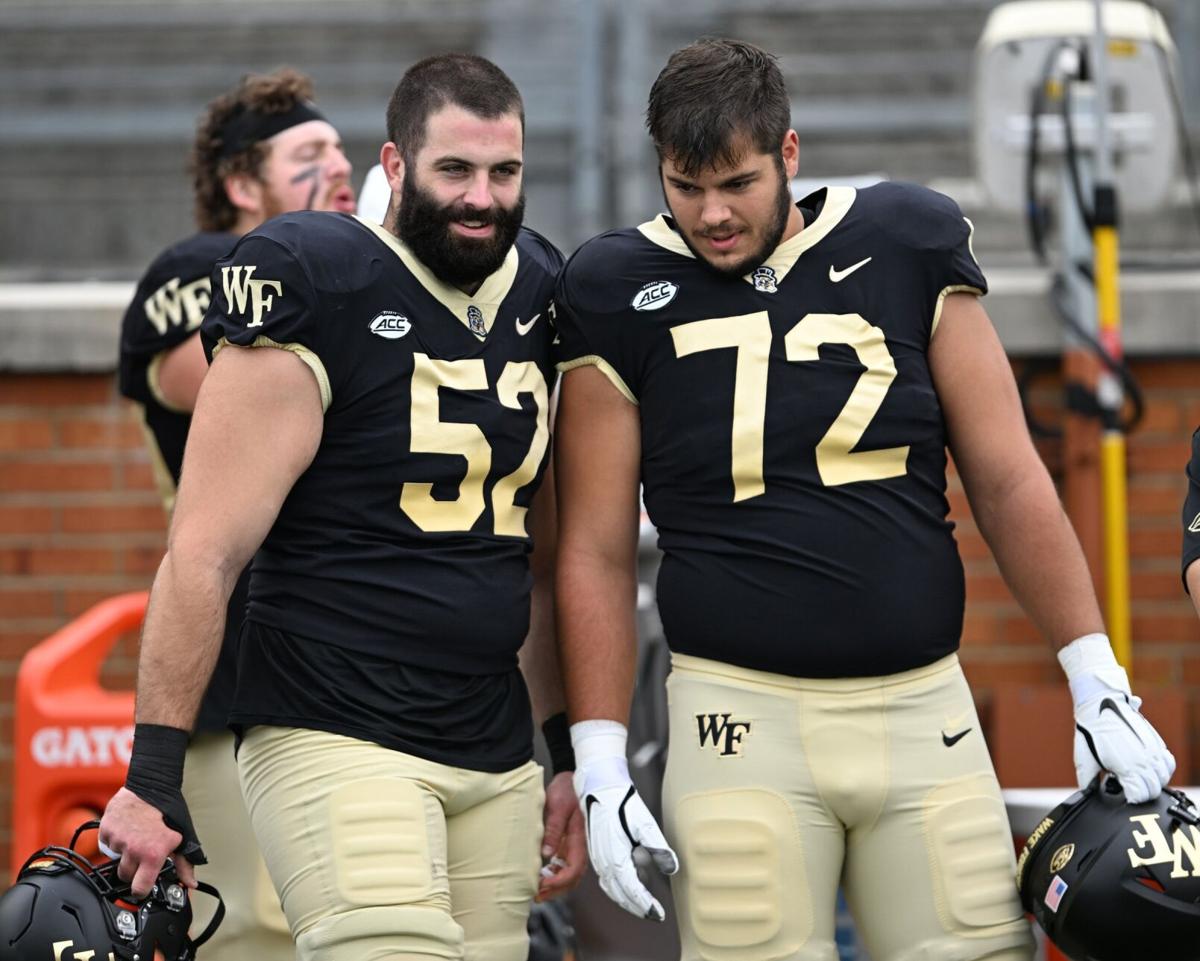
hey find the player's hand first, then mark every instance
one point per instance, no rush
(1112, 735)
(617, 819)
(1110, 732)
(134, 831)
(564, 847)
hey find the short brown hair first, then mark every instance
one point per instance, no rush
(712, 93)
(270, 93)
(463, 79)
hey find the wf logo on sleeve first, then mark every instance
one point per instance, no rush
(174, 303)
(723, 734)
(242, 290)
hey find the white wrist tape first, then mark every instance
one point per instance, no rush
(600, 748)
(1092, 668)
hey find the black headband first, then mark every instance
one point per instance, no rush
(247, 127)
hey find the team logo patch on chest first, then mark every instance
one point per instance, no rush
(764, 279)
(654, 295)
(475, 321)
(390, 325)
(721, 734)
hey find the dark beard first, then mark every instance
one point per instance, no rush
(783, 207)
(424, 226)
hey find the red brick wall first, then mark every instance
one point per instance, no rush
(1000, 645)
(80, 520)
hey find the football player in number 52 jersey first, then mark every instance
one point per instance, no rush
(374, 431)
(784, 380)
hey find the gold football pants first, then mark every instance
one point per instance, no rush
(254, 926)
(778, 789)
(377, 854)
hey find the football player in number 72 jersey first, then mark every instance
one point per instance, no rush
(374, 430)
(784, 379)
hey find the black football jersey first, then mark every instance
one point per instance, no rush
(793, 448)
(166, 310)
(1191, 509)
(406, 537)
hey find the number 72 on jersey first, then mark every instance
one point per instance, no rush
(750, 336)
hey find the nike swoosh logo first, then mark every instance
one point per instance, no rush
(950, 740)
(1194, 526)
(1109, 705)
(633, 842)
(587, 817)
(837, 276)
(523, 329)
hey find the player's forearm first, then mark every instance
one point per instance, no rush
(1039, 556)
(185, 622)
(597, 634)
(539, 656)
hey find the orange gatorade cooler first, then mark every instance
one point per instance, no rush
(72, 737)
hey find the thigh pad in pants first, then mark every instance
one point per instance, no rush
(742, 890)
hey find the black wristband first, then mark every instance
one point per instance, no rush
(156, 776)
(156, 761)
(558, 741)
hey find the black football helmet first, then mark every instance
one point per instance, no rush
(551, 934)
(1111, 881)
(65, 907)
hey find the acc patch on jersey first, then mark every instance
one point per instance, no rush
(390, 325)
(654, 295)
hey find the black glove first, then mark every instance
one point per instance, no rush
(156, 776)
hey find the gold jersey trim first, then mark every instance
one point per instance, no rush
(607, 369)
(307, 356)
(952, 289)
(163, 480)
(971, 241)
(838, 201)
(487, 299)
(154, 382)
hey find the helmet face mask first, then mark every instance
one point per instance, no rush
(551, 934)
(1111, 881)
(65, 907)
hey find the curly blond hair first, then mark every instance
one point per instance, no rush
(276, 92)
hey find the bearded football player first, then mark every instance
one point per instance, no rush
(374, 431)
(785, 380)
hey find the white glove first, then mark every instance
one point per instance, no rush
(1110, 734)
(617, 819)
